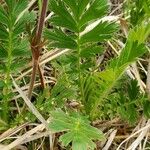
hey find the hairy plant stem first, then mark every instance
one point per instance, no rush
(36, 48)
(79, 69)
(6, 90)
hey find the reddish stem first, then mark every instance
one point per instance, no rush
(36, 47)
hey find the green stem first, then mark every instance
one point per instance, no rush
(79, 69)
(6, 89)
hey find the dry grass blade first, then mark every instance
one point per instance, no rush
(51, 55)
(110, 140)
(33, 110)
(30, 105)
(11, 132)
(36, 136)
(24, 137)
(132, 135)
(141, 136)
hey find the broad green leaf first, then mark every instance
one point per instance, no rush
(78, 130)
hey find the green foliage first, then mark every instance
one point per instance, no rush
(107, 79)
(146, 105)
(76, 25)
(139, 10)
(77, 128)
(71, 33)
(93, 88)
(128, 103)
(13, 45)
(75, 19)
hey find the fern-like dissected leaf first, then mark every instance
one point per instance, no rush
(97, 9)
(11, 28)
(70, 19)
(21, 49)
(13, 45)
(78, 130)
(107, 79)
(63, 18)
(59, 39)
(103, 31)
(70, 22)
(75, 16)
(3, 16)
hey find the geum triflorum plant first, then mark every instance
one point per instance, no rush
(71, 21)
(77, 25)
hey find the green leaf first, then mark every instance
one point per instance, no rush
(62, 13)
(66, 139)
(100, 33)
(3, 53)
(78, 130)
(140, 33)
(2, 84)
(3, 16)
(79, 144)
(146, 106)
(20, 6)
(22, 49)
(82, 4)
(97, 9)
(61, 92)
(108, 78)
(132, 114)
(91, 50)
(10, 5)
(3, 33)
(129, 55)
(59, 39)
(73, 6)
(133, 90)
(21, 23)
